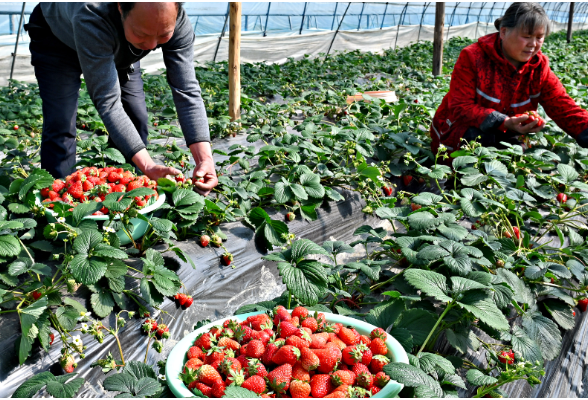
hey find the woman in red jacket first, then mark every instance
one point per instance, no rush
(500, 76)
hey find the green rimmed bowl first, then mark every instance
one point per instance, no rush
(177, 357)
(140, 226)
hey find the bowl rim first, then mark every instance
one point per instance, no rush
(173, 369)
(145, 210)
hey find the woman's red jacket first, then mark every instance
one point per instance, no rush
(485, 88)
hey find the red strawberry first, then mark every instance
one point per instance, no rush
(181, 297)
(254, 367)
(365, 340)
(189, 301)
(286, 329)
(286, 355)
(300, 312)
(196, 352)
(366, 354)
(53, 195)
(114, 177)
(228, 343)
(243, 333)
(203, 341)
(68, 363)
(255, 349)
(299, 389)
(204, 240)
(310, 323)
(328, 358)
(76, 190)
(208, 375)
(583, 304)
(163, 331)
(365, 380)
(218, 389)
(87, 186)
(256, 383)
(378, 347)
(279, 379)
(180, 178)
(45, 192)
(342, 377)
(227, 258)
(268, 355)
(149, 325)
(51, 338)
(320, 385)
(229, 364)
(136, 184)
(562, 198)
(205, 389)
(319, 340)
(378, 362)
(58, 185)
(415, 207)
(387, 191)
(120, 188)
(406, 179)
(506, 357)
(359, 368)
(257, 321)
(348, 336)
(36, 295)
(281, 314)
(381, 379)
(300, 373)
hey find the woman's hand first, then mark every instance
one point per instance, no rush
(516, 124)
(204, 177)
(145, 163)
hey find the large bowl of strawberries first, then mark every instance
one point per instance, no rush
(94, 185)
(290, 353)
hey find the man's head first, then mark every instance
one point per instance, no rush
(147, 25)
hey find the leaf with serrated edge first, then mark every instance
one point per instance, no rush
(429, 282)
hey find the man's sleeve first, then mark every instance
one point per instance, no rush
(563, 110)
(95, 48)
(463, 98)
(179, 61)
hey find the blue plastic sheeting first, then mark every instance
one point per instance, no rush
(291, 18)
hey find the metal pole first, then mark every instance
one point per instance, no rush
(360, 16)
(489, 17)
(222, 33)
(570, 21)
(400, 21)
(384, 17)
(422, 18)
(337, 31)
(267, 19)
(480, 13)
(303, 14)
(334, 16)
(451, 21)
(468, 14)
(438, 38)
(17, 38)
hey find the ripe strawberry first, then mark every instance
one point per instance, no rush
(506, 357)
(562, 198)
(286, 329)
(365, 340)
(299, 389)
(180, 178)
(297, 342)
(45, 192)
(243, 333)
(583, 304)
(378, 347)
(279, 379)
(203, 341)
(256, 383)
(87, 186)
(342, 377)
(286, 355)
(290, 216)
(415, 207)
(228, 343)
(51, 338)
(310, 323)
(196, 352)
(136, 184)
(406, 179)
(68, 363)
(216, 241)
(36, 295)
(299, 312)
(281, 314)
(15, 127)
(351, 355)
(181, 298)
(218, 389)
(381, 379)
(254, 367)
(348, 336)
(208, 375)
(58, 185)
(204, 240)
(359, 368)
(328, 358)
(259, 320)
(365, 380)
(268, 355)
(120, 188)
(378, 362)
(114, 177)
(319, 340)
(189, 301)
(76, 190)
(320, 385)
(227, 258)
(387, 191)
(255, 349)
(300, 373)
(229, 364)
(163, 331)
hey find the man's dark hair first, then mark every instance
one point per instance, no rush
(524, 16)
(126, 7)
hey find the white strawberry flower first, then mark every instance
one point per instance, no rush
(61, 220)
(109, 229)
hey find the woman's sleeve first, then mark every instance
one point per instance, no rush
(463, 97)
(563, 110)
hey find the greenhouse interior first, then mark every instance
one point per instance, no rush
(294, 199)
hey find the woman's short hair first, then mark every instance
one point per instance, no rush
(126, 7)
(524, 16)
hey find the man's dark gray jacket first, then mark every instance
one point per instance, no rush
(95, 32)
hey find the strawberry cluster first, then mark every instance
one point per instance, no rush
(280, 354)
(532, 117)
(93, 184)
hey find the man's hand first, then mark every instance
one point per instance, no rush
(204, 177)
(145, 163)
(516, 124)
